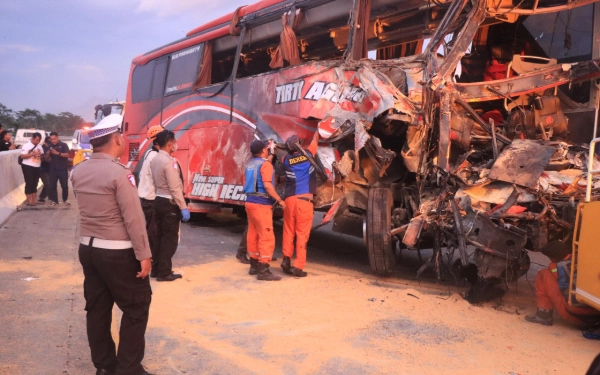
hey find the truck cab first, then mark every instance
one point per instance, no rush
(24, 135)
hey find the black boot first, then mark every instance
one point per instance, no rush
(253, 267)
(242, 257)
(286, 265)
(543, 317)
(265, 274)
(297, 272)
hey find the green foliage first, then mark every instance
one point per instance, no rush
(65, 123)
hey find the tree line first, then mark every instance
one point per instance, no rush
(64, 123)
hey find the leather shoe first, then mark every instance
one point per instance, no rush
(171, 277)
(176, 275)
(102, 371)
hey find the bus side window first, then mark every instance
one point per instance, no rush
(141, 82)
(158, 79)
(183, 68)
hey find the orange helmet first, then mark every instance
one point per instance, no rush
(153, 131)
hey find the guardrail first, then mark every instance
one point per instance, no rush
(11, 176)
(12, 192)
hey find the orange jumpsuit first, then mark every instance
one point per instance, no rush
(550, 296)
(261, 239)
(297, 222)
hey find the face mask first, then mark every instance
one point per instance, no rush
(174, 147)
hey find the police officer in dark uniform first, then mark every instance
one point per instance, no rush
(113, 251)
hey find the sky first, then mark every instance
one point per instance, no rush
(69, 55)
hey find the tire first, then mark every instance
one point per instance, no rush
(382, 257)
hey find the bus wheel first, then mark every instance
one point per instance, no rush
(378, 224)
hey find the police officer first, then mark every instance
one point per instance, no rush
(113, 251)
(146, 189)
(300, 188)
(260, 197)
(169, 206)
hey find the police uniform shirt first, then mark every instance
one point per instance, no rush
(108, 203)
(167, 178)
(146, 188)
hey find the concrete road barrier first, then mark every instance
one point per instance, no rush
(12, 190)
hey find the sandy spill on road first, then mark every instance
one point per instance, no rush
(40, 276)
(328, 323)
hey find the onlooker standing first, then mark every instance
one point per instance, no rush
(31, 154)
(45, 171)
(146, 189)
(6, 142)
(114, 253)
(169, 206)
(59, 169)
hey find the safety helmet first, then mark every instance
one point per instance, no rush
(153, 131)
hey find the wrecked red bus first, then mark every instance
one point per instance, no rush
(463, 132)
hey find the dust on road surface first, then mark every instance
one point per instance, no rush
(218, 320)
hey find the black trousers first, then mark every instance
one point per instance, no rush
(31, 175)
(62, 176)
(110, 277)
(167, 217)
(148, 208)
(243, 246)
(45, 177)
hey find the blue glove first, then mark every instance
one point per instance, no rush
(185, 213)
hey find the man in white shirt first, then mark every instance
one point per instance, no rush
(146, 189)
(31, 154)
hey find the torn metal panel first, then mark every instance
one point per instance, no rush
(412, 151)
(380, 157)
(461, 127)
(444, 133)
(495, 192)
(413, 232)
(460, 41)
(507, 241)
(522, 163)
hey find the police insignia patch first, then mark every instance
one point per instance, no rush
(131, 179)
(175, 165)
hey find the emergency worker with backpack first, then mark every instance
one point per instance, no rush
(260, 197)
(300, 189)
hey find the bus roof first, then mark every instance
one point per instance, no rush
(208, 31)
(227, 18)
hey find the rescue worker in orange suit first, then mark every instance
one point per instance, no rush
(300, 188)
(260, 196)
(242, 252)
(552, 288)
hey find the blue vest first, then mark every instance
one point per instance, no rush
(300, 175)
(254, 187)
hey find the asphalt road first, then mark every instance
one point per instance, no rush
(218, 320)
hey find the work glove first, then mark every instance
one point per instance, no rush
(185, 215)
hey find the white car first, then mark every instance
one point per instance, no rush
(24, 135)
